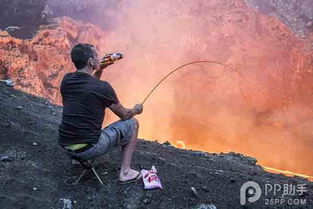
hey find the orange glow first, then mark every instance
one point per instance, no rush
(266, 112)
(287, 173)
(180, 144)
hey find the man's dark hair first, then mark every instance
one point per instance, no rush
(80, 55)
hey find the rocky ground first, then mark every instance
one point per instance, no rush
(297, 14)
(36, 173)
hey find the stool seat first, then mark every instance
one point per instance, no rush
(76, 146)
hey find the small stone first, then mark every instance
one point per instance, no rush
(67, 203)
(202, 154)
(4, 158)
(205, 189)
(146, 201)
(53, 113)
(203, 206)
(232, 180)
(8, 82)
(163, 160)
(35, 188)
(194, 191)
(35, 144)
(167, 143)
(75, 163)
(19, 107)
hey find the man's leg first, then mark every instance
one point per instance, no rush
(126, 172)
(113, 135)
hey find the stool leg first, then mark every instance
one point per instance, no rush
(94, 171)
(81, 176)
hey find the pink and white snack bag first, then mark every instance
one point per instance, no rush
(151, 179)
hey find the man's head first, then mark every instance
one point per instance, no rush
(85, 55)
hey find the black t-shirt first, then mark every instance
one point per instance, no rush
(84, 101)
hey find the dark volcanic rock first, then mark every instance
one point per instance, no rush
(297, 14)
(22, 17)
(41, 175)
(38, 65)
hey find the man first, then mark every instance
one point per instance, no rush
(85, 98)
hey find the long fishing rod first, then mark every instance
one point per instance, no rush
(180, 67)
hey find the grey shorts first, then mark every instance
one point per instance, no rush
(118, 133)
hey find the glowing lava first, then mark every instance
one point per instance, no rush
(180, 144)
(287, 173)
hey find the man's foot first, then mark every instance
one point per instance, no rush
(129, 176)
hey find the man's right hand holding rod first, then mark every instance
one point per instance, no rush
(125, 113)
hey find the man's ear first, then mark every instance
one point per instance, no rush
(91, 62)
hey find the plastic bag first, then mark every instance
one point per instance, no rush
(151, 179)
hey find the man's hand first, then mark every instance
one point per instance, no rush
(138, 109)
(125, 113)
(105, 64)
(98, 73)
(106, 61)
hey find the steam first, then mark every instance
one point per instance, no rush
(265, 112)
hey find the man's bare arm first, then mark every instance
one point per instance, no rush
(97, 74)
(125, 113)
